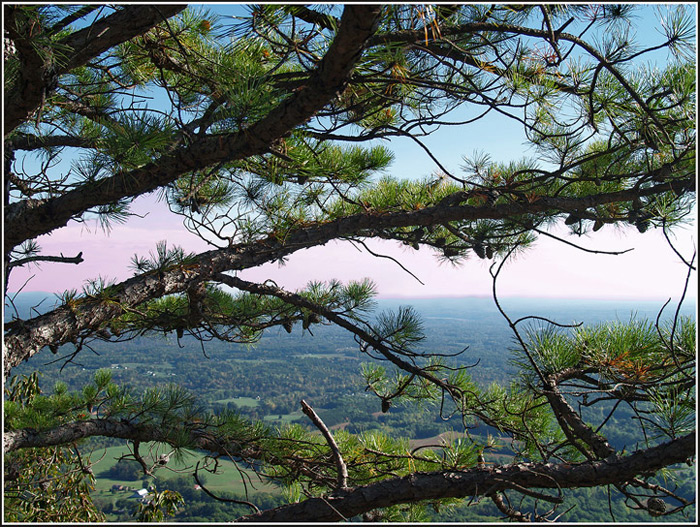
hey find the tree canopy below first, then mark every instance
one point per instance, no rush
(272, 139)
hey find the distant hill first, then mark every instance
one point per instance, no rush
(464, 308)
(28, 304)
(266, 381)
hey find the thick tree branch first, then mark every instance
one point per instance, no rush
(65, 434)
(24, 220)
(66, 325)
(34, 142)
(68, 20)
(574, 427)
(474, 482)
(39, 74)
(409, 489)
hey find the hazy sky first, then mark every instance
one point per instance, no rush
(550, 269)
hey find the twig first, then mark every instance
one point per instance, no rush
(539, 231)
(673, 247)
(60, 259)
(219, 498)
(353, 241)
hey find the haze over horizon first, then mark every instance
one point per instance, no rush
(551, 269)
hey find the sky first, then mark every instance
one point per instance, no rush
(551, 269)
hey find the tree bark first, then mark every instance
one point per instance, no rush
(421, 486)
(66, 324)
(480, 481)
(39, 75)
(27, 219)
(122, 429)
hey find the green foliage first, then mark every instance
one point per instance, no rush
(614, 143)
(159, 505)
(673, 413)
(44, 484)
(389, 194)
(552, 350)
(132, 143)
(200, 192)
(402, 329)
(240, 317)
(52, 486)
(163, 259)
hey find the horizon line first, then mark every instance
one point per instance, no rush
(688, 297)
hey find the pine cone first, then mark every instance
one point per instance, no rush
(656, 506)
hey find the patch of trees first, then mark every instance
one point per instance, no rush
(124, 470)
(273, 140)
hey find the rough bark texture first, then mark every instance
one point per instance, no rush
(480, 481)
(33, 142)
(28, 219)
(575, 429)
(476, 481)
(64, 324)
(68, 433)
(39, 74)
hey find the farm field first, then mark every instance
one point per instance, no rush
(228, 477)
(248, 402)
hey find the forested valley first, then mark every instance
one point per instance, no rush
(188, 374)
(324, 367)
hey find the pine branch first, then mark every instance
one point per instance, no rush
(34, 142)
(474, 482)
(321, 20)
(39, 74)
(387, 351)
(62, 325)
(409, 489)
(357, 25)
(68, 20)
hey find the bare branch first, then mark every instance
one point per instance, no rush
(342, 467)
(567, 242)
(58, 259)
(472, 482)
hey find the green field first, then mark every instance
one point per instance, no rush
(227, 478)
(282, 418)
(241, 402)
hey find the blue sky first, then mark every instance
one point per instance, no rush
(550, 269)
